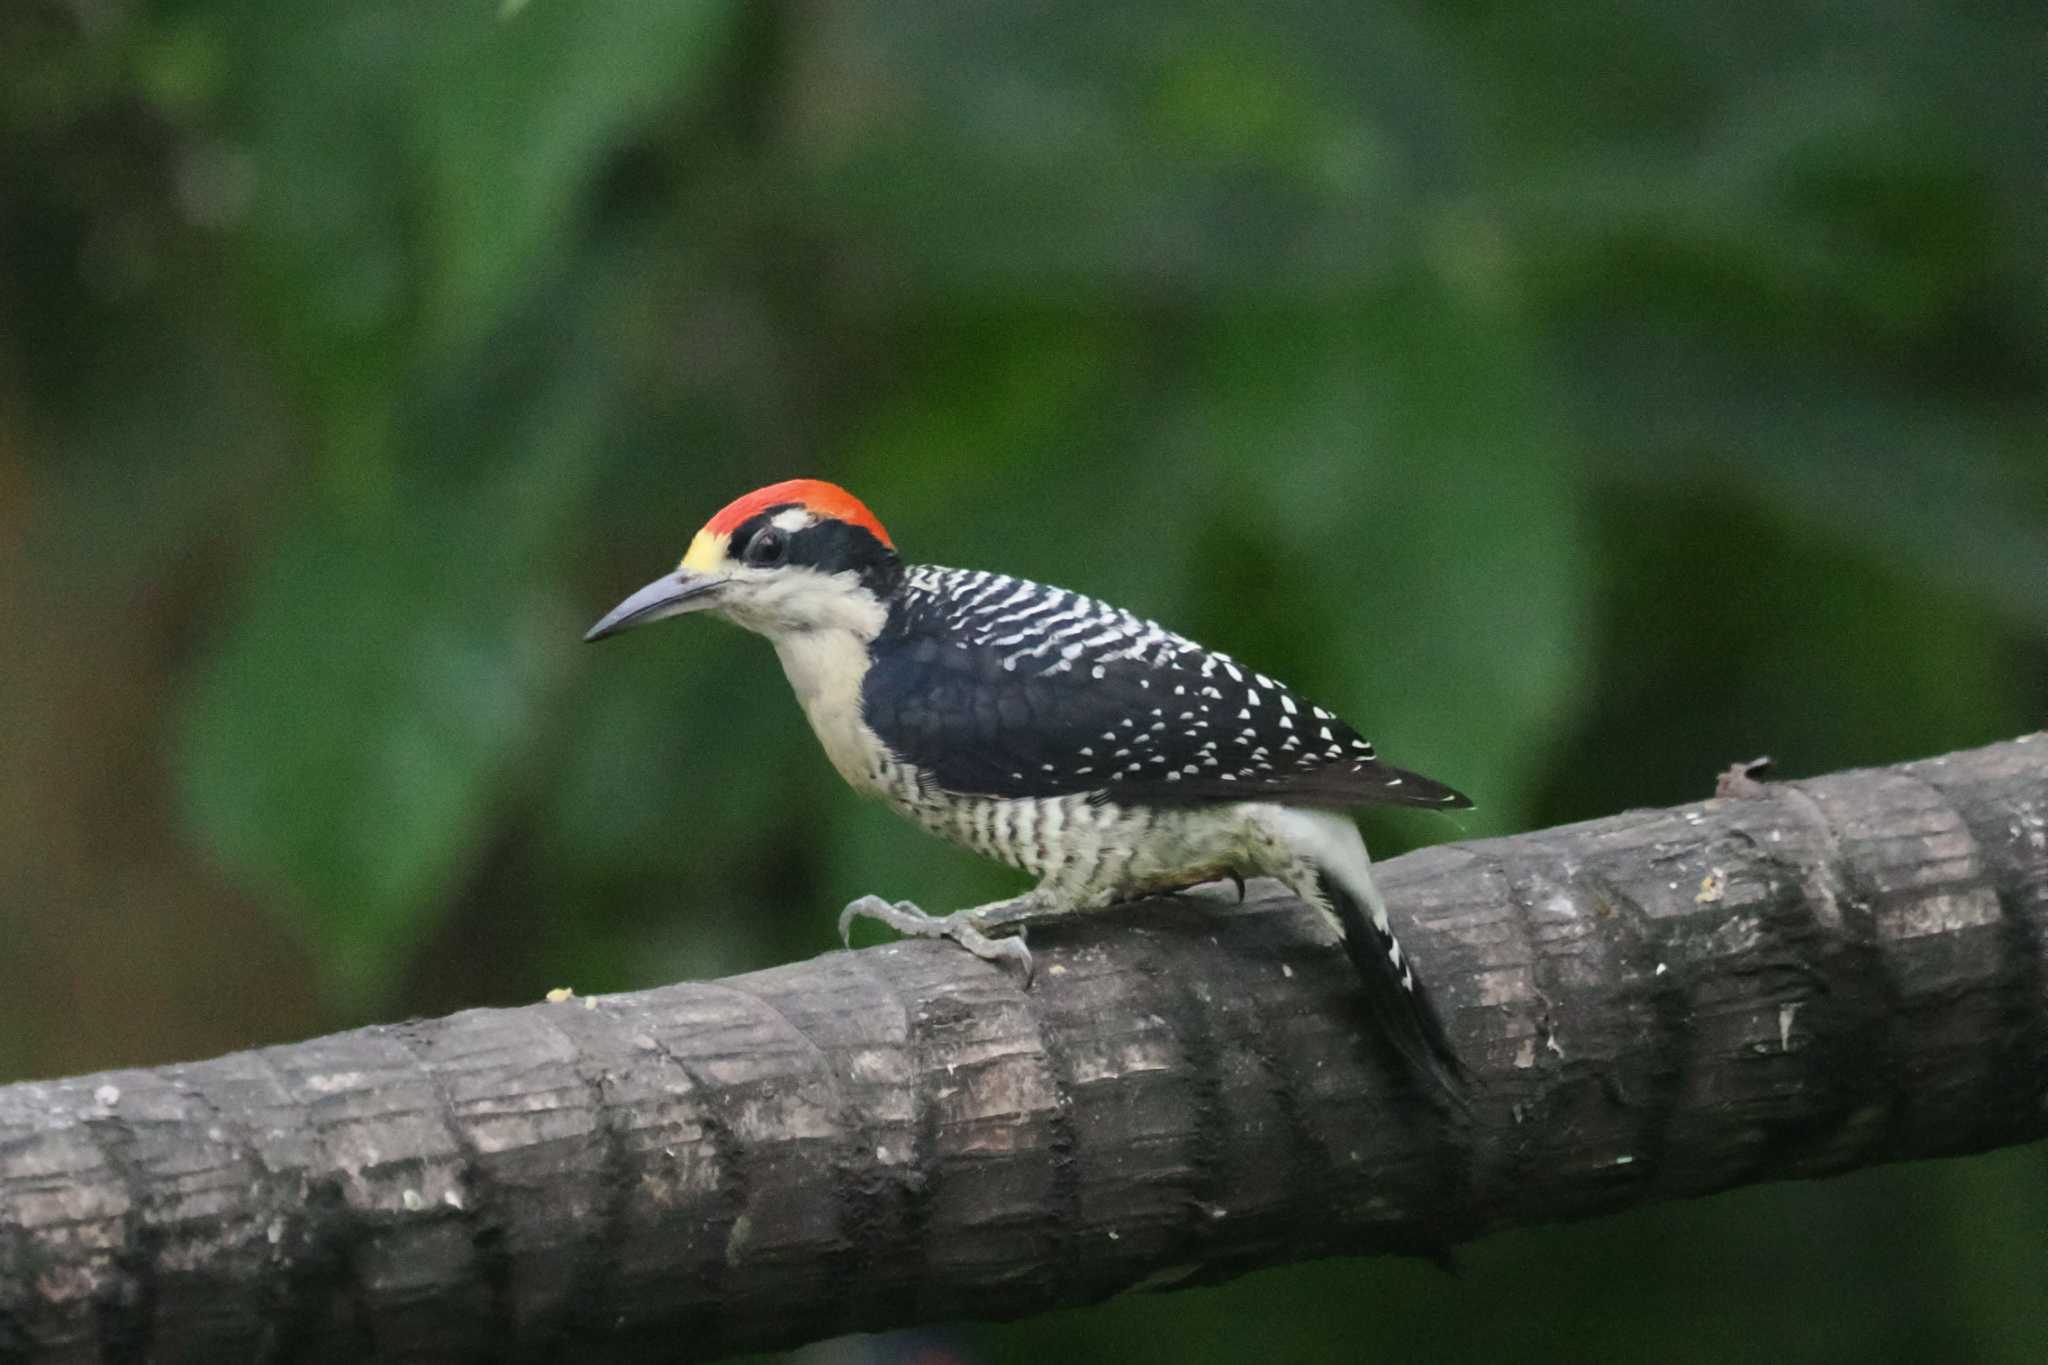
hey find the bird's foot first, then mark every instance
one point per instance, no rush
(964, 927)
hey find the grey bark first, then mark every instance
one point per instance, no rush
(1805, 979)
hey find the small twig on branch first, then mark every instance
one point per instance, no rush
(1799, 980)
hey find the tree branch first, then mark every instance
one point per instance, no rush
(1810, 978)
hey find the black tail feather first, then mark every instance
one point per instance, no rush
(1400, 1004)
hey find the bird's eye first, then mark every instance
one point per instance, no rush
(768, 547)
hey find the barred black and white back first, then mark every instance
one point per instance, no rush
(999, 686)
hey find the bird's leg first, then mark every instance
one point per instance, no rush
(1011, 915)
(992, 932)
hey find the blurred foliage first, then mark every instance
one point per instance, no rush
(1580, 399)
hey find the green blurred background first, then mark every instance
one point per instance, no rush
(1581, 398)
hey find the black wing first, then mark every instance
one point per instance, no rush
(999, 687)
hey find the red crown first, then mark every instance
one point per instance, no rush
(825, 499)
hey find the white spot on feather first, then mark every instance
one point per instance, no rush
(1786, 1014)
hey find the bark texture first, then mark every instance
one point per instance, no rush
(1804, 979)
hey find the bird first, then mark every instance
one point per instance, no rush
(1103, 754)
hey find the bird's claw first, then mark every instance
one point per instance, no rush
(988, 949)
(905, 918)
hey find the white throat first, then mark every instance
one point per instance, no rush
(825, 668)
(826, 660)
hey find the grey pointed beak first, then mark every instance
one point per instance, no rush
(671, 595)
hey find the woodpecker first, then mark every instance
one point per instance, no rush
(1101, 753)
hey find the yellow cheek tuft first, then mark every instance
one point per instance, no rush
(706, 552)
